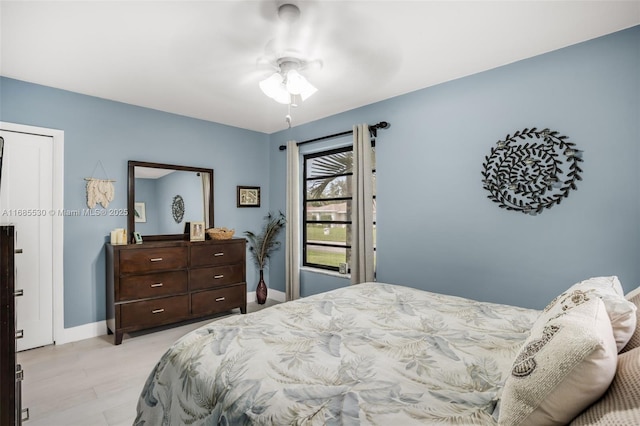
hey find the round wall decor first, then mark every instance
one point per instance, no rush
(531, 170)
(177, 208)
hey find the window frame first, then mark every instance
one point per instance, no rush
(306, 200)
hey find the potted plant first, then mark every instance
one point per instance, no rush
(261, 246)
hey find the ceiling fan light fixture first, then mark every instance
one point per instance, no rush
(271, 85)
(295, 82)
(282, 96)
(307, 91)
(287, 87)
(298, 85)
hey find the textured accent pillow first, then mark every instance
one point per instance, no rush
(566, 364)
(634, 297)
(622, 313)
(619, 406)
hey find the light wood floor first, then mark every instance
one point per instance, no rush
(92, 382)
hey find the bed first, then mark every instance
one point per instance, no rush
(373, 353)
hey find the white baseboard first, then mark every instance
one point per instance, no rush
(95, 329)
(276, 295)
(81, 332)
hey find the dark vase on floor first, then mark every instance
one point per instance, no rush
(261, 245)
(261, 291)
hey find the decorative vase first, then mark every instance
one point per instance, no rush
(261, 291)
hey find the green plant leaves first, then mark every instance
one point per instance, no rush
(262, 244)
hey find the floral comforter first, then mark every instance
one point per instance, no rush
(372, 353)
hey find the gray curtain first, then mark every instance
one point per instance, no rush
(206, 191)
(292, 230)
(362, 269)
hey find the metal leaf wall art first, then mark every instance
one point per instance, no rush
(531, 170)
(177, 208)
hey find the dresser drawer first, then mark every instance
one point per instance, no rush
(152, 259)
(217, 254)
(217, 276)
(218, 300)
(154, 312)
(152, 285)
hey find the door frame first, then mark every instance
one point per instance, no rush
(57, 137)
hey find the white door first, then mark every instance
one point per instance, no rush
(26, 201)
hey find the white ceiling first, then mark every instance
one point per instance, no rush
(199, 58)
(151, 172)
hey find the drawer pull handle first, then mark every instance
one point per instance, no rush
(18, 293)
(156, 285)
(219, 299)
(155, 259)
(19, 334)
(19, 375)
(25, 414)
(218, 276)
(218, 254)
(157, 311)
(18, 251)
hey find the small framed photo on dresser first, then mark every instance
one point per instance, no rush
(248, 196)
(196, 231)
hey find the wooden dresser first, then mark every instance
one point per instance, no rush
(10, 371)
(163, 282)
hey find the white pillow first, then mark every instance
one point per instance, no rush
(634, 342)
(566, 364)
(622, 313)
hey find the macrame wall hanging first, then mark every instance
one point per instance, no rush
(99, 191)
(531, 170)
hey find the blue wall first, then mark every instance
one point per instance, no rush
(113, 133)
(146, 192)
(436, 228)
(189, 186)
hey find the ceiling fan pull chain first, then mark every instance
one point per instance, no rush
(287, 117)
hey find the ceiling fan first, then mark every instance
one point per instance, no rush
(285, 58)
(313, 39)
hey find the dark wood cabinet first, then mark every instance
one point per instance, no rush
(10, 371)
(164, 282)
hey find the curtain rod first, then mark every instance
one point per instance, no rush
(373, 129)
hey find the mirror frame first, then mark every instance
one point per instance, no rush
(131, 196)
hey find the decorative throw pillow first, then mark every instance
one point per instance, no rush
(619, 406)
(634, 297)
(566, 364)
(622, 313)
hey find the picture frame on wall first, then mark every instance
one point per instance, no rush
(248, 196)
(140, 212)
(196, 231)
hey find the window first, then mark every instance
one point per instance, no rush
(326, 214)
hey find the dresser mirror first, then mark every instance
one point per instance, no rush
(163, 198)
